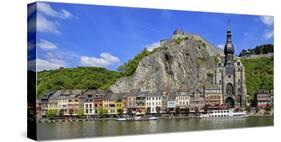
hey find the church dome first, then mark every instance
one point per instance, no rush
(228, 48)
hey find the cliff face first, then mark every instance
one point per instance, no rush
(182, 62)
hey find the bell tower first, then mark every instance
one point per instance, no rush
(228, 49)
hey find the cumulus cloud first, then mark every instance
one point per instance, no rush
(45, 25)
(48, 19)
(41, 64)
(268, 34)
(45, 44)
(267, 20)
(47, 10)
(221, 46)
(152, 46)
(65, 14)
(105, 60)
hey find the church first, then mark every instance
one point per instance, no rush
(230, 77)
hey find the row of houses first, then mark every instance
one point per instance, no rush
(263, 99)
(95, 102)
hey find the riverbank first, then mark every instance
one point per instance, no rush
(46, 120)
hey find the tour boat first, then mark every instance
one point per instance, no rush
(224, 114)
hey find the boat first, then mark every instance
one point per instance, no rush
(121, 119)
(224, 114)
(153, 118)
(137, 118)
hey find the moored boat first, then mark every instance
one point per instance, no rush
(137, 118)
(224, 114)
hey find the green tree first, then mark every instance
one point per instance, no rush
(258, 74)
(52, 113)
(75, 78)
(80, 112)
(102, 111)
(129, 68)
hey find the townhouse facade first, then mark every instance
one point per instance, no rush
(69, 102)
(88, 106)
(264, 99)
(182, 99)
(213, 97)
(153, 102)
(171, 104)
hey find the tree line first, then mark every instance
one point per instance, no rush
(258, 50)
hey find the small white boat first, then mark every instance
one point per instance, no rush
(121, 119)
(224, 114)
(153, 118)
(137, 118)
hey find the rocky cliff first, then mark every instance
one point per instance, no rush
(182, 62)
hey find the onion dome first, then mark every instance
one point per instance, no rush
(228, 48)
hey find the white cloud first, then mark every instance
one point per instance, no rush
(268, 34)
(45, 44)
(267, 20)
(152, 46)
(65, 14)
(104, 60)
(47, 10)
(221, 46)
(48, 18)
(45, 25)
(41, 64)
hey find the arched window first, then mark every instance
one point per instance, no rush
(229, 89)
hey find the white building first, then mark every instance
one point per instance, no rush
(182, 99)
(153, 101)
(89, 105)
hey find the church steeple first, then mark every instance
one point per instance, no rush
(228, 48)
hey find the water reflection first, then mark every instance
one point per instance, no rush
(61, 130)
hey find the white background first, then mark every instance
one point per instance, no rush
(13, 54)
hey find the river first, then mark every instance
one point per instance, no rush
(64, 130)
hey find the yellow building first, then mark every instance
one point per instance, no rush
(109, 103)
(118, 106)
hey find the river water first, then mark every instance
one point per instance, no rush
(99, 128)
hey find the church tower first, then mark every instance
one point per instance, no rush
(230, 77)
(228, 49)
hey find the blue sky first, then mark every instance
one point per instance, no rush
(72, 35)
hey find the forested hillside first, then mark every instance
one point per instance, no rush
(259, 74)
(75, 78)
